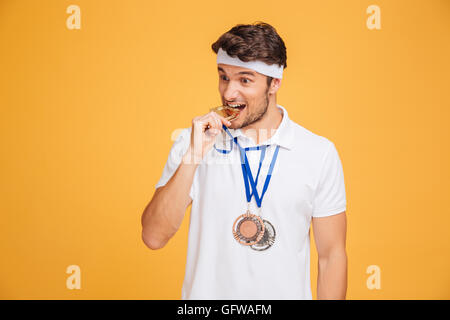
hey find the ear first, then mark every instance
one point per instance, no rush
(274, 85)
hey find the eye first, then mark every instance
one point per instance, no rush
(246, 80)
(223, 77)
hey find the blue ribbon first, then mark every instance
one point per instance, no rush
(247, 173)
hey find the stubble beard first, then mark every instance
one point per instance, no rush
(258, 115)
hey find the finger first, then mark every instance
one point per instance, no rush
(222, 120)
(231, 118)
(212, 119)
(226, 121)
(213, 132)
(210, 122)
(204, 123)
(217, 120)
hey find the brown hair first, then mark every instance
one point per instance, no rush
(257, 41)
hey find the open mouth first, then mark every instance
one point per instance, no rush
(234, 109)
(239, 106)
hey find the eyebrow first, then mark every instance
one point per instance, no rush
(242, 72)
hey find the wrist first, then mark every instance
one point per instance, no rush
(190, 157)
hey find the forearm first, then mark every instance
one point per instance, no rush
(165, 212)
(332, 277)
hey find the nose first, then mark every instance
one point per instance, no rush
(231, 91)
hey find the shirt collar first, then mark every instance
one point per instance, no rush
(283, 135)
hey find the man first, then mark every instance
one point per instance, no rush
(252, 206)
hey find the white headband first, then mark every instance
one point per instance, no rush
(272, 70)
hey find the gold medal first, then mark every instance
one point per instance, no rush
(248, 229)
(229, 113)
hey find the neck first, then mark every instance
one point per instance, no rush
(266, 127)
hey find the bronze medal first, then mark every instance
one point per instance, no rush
(248, 229)
(268, 238)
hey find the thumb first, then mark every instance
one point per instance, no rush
(213, 132)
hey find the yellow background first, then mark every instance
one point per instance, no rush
(87, 117)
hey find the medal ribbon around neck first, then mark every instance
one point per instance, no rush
(261, 159)
(247, 173)
(251, 230)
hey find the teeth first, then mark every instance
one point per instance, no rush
(234, 105)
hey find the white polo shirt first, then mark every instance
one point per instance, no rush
(307, 181)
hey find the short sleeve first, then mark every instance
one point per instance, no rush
(179, 148)
(330, 197)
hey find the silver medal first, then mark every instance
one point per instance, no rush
(268, 238)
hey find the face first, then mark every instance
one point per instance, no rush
(238, 85)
